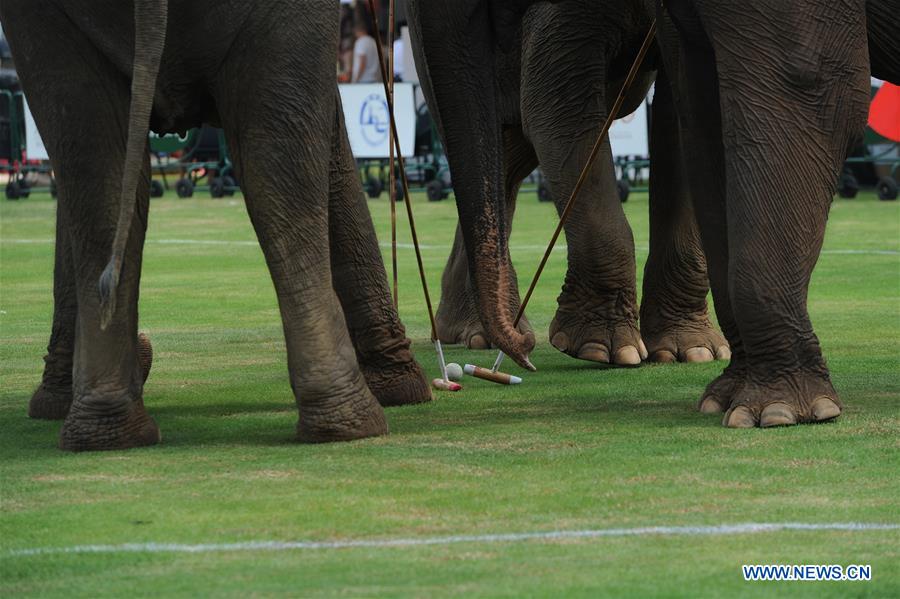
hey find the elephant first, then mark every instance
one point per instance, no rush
(760, 88)
(755, 89)
(97, 77)
(555, 85)
(882, 24)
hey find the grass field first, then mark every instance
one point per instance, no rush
(575, 447)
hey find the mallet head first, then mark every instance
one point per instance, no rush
(443, 385)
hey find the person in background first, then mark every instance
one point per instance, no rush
(365, 54)
(399, 58)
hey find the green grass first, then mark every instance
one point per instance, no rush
(576, 446)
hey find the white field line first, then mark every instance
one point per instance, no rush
(720, 530)
(425, 246)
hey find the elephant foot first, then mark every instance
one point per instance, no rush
(720, 392)
(86, 430)
(50, 403)
(398, 384)
(354, 415)
(53, 398)
(683, 340)
(581, 334)
(798, 399)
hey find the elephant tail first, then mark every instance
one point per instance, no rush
(150, 17)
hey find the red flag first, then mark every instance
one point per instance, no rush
(884, 113)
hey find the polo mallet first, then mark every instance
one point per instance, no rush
(645, 47)
(387, 79)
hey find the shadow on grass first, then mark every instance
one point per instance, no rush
(197, 417)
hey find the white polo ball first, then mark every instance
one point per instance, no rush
(454, 372)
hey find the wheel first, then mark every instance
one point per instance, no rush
(184, 188)
(156, 189)
(543, 192)
(217, 187)
(624, 190)
(887, 188)
(230, 185)
(848, 186)
(13, 190)
(374, 187)
(54, 191)
(435, 190)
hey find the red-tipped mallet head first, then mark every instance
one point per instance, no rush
(443, 385)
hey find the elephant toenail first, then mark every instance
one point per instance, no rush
(723, 352)
(477, 341)
(560, 341)
(627, 356)
(663, 356)
(777, 414)
(642, 349)
(710, 405)
(698, 354)
(825, 408)
(739, 417)
(594, 352)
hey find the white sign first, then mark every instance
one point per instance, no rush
(628, 136)
(368, 125)
(34, 145)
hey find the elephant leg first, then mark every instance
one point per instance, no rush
(279, 117)
(597, 313)
(596, 318)
(457, 314)
(53, 397)
(674, 320)
(359, 278)
(693, 82)
(798, 124)
(563, 107)
(85, 132)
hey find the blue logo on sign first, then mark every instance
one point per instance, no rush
(374, 120)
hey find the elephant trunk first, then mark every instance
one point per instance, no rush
(453, 45)
(150, 17)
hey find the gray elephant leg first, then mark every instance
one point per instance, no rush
(87, 141)
(457, 314)
(279, 116)
(597, 315)
(694, 86)
(816, 94)
(359, 278)
(674, 319)
(53, 397)
(564, 104)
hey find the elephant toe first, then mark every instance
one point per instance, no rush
(478, 341)
(711, 405)
(824, 409)
(698, 354)
(777, 414)
(662, 356)
(627, 356)
(739, 417)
